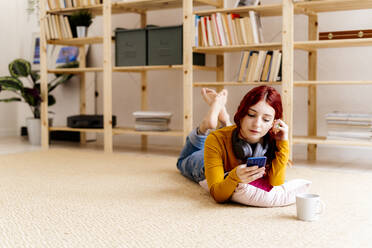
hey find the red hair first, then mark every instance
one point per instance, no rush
(264, 92)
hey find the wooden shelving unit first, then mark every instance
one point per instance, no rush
(107, 10)
(287, 9)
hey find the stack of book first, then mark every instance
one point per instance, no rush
(347, 126)
(226, 29)
(260, 66)
(151, 121)
(57, 27)
(59, 4)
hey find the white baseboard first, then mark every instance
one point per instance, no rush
(6, 132)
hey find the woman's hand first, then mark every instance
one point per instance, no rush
(280, 129)
(249, 174)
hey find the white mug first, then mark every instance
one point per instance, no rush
(309, 207)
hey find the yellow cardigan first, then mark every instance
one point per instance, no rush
(219, 158)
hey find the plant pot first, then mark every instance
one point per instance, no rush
(34, 130)
(81, 31)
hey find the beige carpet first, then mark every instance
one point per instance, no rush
(75, 198)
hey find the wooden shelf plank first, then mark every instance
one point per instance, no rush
(262, 10)
(216, 84)
(77, 41)
(141, 6)
(312, 45)
(69, 129)
(75, 70)
(333, 5)
(307, 83)
(135, 6)
(127, 130)
(238, 48)
(94, 9)
(146, 68)
(158, 67)
(325, 141)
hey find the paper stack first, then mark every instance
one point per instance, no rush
(349, 126)
(152, 120)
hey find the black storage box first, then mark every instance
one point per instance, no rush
(87, 121)
(165, 47)
(130, 47)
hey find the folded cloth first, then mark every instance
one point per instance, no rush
(262, 183)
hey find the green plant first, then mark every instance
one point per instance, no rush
(20, 68)
(81, 18)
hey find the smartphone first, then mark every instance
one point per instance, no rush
(259, 161)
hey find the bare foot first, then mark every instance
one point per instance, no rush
(210, 121)
(209, 95)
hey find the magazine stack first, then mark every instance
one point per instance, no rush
(152, 120)
(349, 126)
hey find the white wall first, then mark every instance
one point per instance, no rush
(9, 43)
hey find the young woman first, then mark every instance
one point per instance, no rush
(220, 156)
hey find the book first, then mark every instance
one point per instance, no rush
(215, 30)
(221, 29)
(152, 120)
(51, 4)
(350, 122)
(197, 22)
(226, 29)
(259, 66)
(139, 127)
(68, 27)
(349, 116)
(52, 26)
(232, 29)
(152, 114)
(351, 134)
(62, 25)
(248, 29)
(58, 26)
(209, 32)
(337, 126)
(266, 67)
(251, 65)
(242, 30)
(57, 3)
(254, 25)
(275, 66)
(204, 31)
(330, 137)
(238, 31)
(243, 66)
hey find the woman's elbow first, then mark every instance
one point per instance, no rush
(219, 199)
(277, 181)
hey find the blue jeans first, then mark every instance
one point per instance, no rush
(191, 160)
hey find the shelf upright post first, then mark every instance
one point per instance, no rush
(107, 76)
(188, 22)
(43, 79)
(220, 60)
(82, 64)
(287, 67)
(144, 95)
(312, 89)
